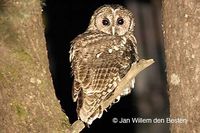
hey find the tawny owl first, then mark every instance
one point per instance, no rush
(100, 58)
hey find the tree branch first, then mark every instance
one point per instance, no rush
(78, 125)
(132, 73)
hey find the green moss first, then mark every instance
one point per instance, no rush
(11, 71)
(3, 5)
(22, 55)
(65, 122)
(1, 76)
(19, 110)
(6, 28)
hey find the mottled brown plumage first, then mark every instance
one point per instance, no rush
(100, 58)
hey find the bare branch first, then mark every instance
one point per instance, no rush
(135, 69)
(78, 125)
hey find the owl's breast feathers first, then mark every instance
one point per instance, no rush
(99, 62)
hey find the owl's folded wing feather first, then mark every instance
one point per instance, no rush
(79, 58)
(73, 59)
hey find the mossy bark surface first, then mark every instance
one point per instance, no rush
(182, 49)
(27, 98)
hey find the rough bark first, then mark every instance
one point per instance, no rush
(182, 49)
(27, 99)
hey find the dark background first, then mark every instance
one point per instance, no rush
(65, 19)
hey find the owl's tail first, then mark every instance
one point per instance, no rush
(89, 109)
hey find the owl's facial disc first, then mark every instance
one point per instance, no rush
(113, 21)
(104, 20)
(122, 21)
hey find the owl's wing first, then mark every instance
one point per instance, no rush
(78, 51)
(79, 57)
(74, 59)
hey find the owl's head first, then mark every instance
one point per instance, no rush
(112, 19)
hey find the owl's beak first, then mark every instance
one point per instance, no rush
(113, 30)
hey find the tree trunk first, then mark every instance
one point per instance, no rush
(27, 99)
(182, 49)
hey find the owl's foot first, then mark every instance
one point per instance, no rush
(117, 99)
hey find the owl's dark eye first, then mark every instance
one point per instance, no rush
(120, 21)
(105, 22)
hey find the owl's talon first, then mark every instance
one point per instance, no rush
(117, 99)
(109, 106)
